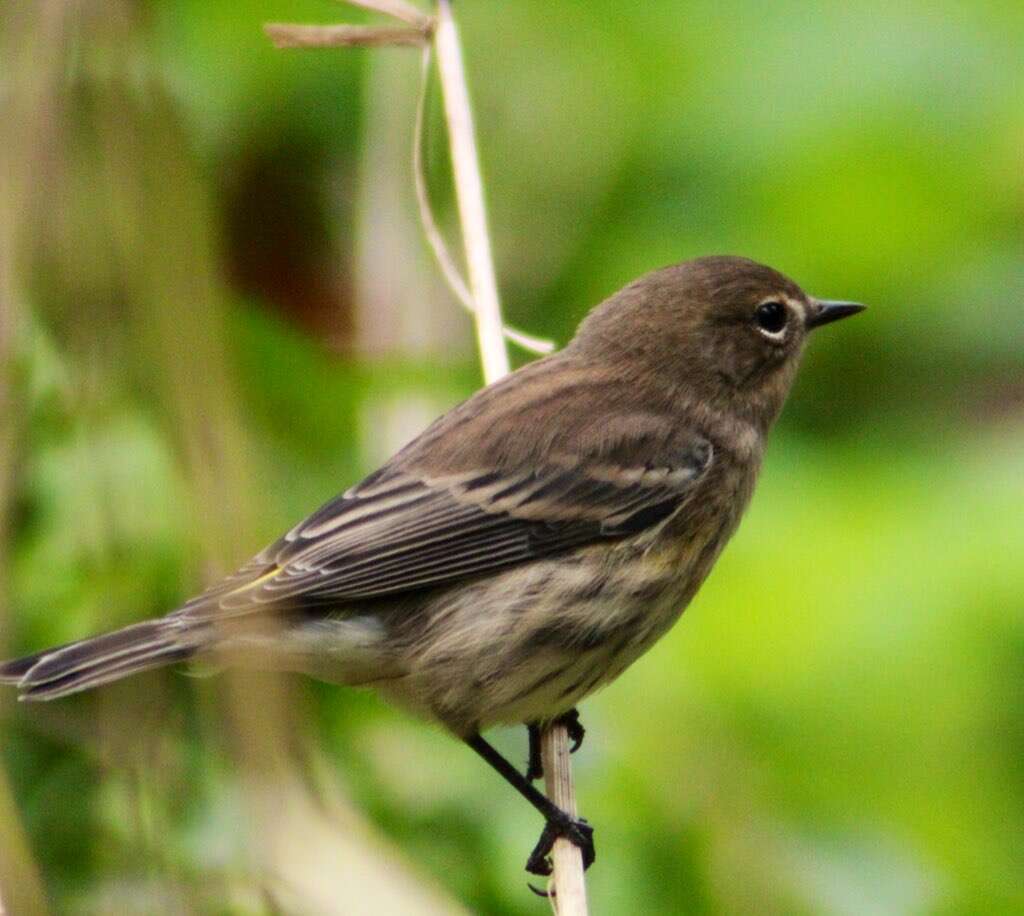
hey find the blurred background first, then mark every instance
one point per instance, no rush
(217, 310)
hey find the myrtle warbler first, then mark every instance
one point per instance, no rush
(532, 543)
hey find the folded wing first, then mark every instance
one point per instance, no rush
(403, 530)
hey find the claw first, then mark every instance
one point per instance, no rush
(571, 721)
(575, 829)
(575, 730)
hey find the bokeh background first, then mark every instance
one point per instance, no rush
(217, 310)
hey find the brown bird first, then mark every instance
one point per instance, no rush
(532, 543)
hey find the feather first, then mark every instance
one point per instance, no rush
(414, 525)
(88, 663)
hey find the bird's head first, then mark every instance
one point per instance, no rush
(726, 330)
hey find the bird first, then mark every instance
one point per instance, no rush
(530, 544)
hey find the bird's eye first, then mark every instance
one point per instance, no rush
(771, 318)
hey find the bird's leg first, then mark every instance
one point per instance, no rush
(571, 721)
(534, 764)
(558, 823)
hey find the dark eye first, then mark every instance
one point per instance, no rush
(771, 317)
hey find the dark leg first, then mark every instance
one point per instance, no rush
(534, 764)
(571, 721)
(558, 824)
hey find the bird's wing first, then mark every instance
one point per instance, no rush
(406, 528)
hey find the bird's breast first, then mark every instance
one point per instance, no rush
(531, 642)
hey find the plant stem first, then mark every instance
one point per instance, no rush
(570, 898)
(569, 889)
(470, 195)
(286, 35)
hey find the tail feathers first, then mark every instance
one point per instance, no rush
(82, 665)
(13, 671)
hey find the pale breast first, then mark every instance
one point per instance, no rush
(530, 643)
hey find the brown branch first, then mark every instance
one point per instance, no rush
(287, 35)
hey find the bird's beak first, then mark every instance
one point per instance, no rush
(824, 311)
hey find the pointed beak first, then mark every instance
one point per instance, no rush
(824, 311)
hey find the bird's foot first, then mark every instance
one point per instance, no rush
(573, 725)
(575, 829)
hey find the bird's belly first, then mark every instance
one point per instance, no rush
(530, 644)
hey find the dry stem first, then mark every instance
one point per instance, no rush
(287, 35)
(569, 888)
(445, 261)
(470, 195)
(399, 9)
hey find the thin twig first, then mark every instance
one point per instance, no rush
(287, 35)
(469, 193)
(569, 887)
(398, 9)
(433, 233)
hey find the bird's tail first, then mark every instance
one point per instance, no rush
(88, 663)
